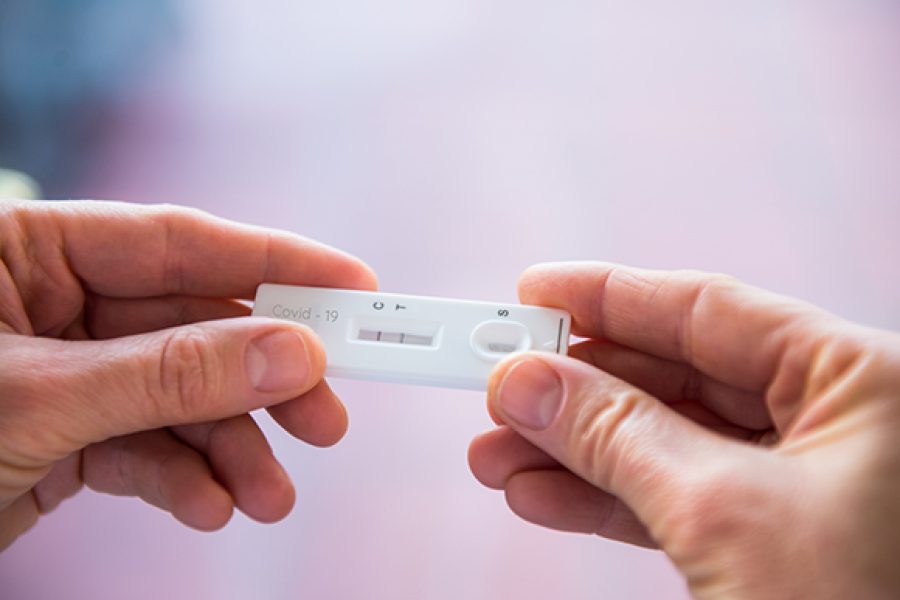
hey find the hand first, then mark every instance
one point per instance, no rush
(108, 378)
(753, 438)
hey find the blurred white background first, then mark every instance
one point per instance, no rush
(451, 143)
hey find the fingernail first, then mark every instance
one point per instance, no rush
(277, 362)
(531, 394)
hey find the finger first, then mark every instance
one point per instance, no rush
(318, 417)
(243, 463)
(162, 471)
(107, 318)
(672, 381)
(497, 455)
(539, 491)
(559, 500)
(63, 481)
(83, 392)
(166, 250)
(701, 415)
(17, 518)
(728, 330)
(613, 435)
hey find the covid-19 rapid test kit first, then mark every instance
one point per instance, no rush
(415, 339)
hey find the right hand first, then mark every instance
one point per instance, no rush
(754, 438)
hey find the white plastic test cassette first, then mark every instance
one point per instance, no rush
(415, 339)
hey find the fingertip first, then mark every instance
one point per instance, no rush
(332, 421)
(284, 499)
(244, 464)
(545, 283)
(559, 500)
(205, 506)
(356, 274)
(478, 460)
(493, 415)
(518, 493)
(273, 499)
(529, 278)
(367, 279)
(521, 375)
(496, 455)
(533, 277)
(495, 381)
(315, 351)
(318, 417)
(556, 499)
(338, 429)
(282, 360)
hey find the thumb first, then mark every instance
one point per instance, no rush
(616, 437)
(76, 393)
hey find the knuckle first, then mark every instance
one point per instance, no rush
(709, 287)
(708, 279)
(177, 225)
(706, 291)
(31, 408)
(604, 430)
(187, 373)
(166, 471)
(175, 212)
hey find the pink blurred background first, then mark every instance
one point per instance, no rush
(452, 143)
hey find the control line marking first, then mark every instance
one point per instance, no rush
(559, 336)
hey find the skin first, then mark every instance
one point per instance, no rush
(122, 366)
(751, 437)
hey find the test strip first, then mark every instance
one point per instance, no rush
(415, 339)
(371, 335)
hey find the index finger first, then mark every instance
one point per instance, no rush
(124, 250)
(726, 329)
